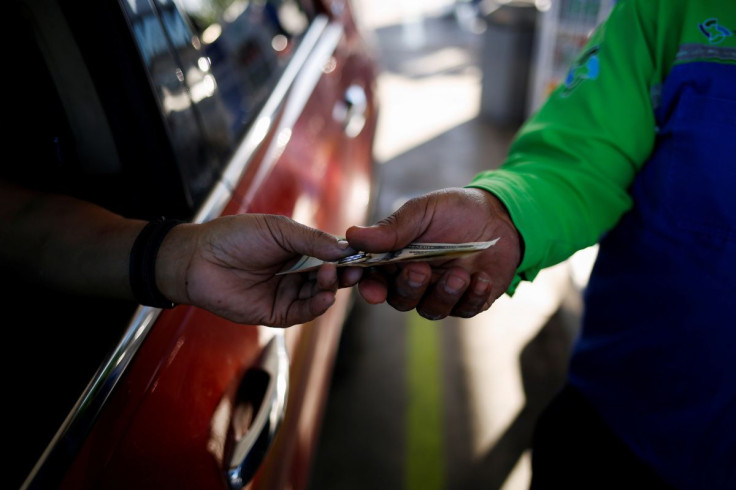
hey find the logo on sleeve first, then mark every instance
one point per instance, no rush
(586, 67)
(715, 32)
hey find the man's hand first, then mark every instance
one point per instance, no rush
(460, 287)
(228, 267)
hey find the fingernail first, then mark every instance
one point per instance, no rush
(342, 244)
(454, 284)
(481, 287)
(416, 279)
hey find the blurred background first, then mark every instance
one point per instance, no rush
(451, 404)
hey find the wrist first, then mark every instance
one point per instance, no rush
(172, 264)
(499, 214)
(143, 274)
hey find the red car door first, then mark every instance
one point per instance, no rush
(187, 399)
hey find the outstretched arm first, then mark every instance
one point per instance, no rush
(226, 266)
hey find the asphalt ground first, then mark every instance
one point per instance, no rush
(449, 404)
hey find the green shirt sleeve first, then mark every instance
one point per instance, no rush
(566, 176)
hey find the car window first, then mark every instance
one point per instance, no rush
(213, 63)
(247, 43)
(185, 90)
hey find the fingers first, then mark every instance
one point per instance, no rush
(373, 287)
(349, 276)
(306, 296)
(477, 297)
(454, 293)
(304, 310)
(319, 304)
(409, 286)
(440, 299)
(327, 278)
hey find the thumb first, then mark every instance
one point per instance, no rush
(392, 233)
(380, 237)
(404, 226)
(317, 243)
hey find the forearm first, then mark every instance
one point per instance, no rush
(551, 213)
(65, 243)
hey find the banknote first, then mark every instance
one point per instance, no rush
(413, 251)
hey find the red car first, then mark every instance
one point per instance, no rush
(190, 109)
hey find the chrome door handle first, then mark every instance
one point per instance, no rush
(272, 373)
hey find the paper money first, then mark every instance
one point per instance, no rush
(414, 251)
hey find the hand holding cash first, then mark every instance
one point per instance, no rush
(413, 251)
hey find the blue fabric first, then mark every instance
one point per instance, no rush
(657, 352)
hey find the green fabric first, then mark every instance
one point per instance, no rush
(566, 176)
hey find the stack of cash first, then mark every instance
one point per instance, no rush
(414, 251)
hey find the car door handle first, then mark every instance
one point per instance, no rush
(355, 109)
(263, 388)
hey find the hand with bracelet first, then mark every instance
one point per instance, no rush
(226, 266)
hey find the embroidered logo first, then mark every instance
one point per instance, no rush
(715, 32)
(586, 67)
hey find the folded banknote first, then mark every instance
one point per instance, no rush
(413, 251)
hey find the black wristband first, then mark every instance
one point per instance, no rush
(143, 263)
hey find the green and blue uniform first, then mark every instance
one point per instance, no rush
(636, 151)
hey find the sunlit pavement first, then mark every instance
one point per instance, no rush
(449, 404)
